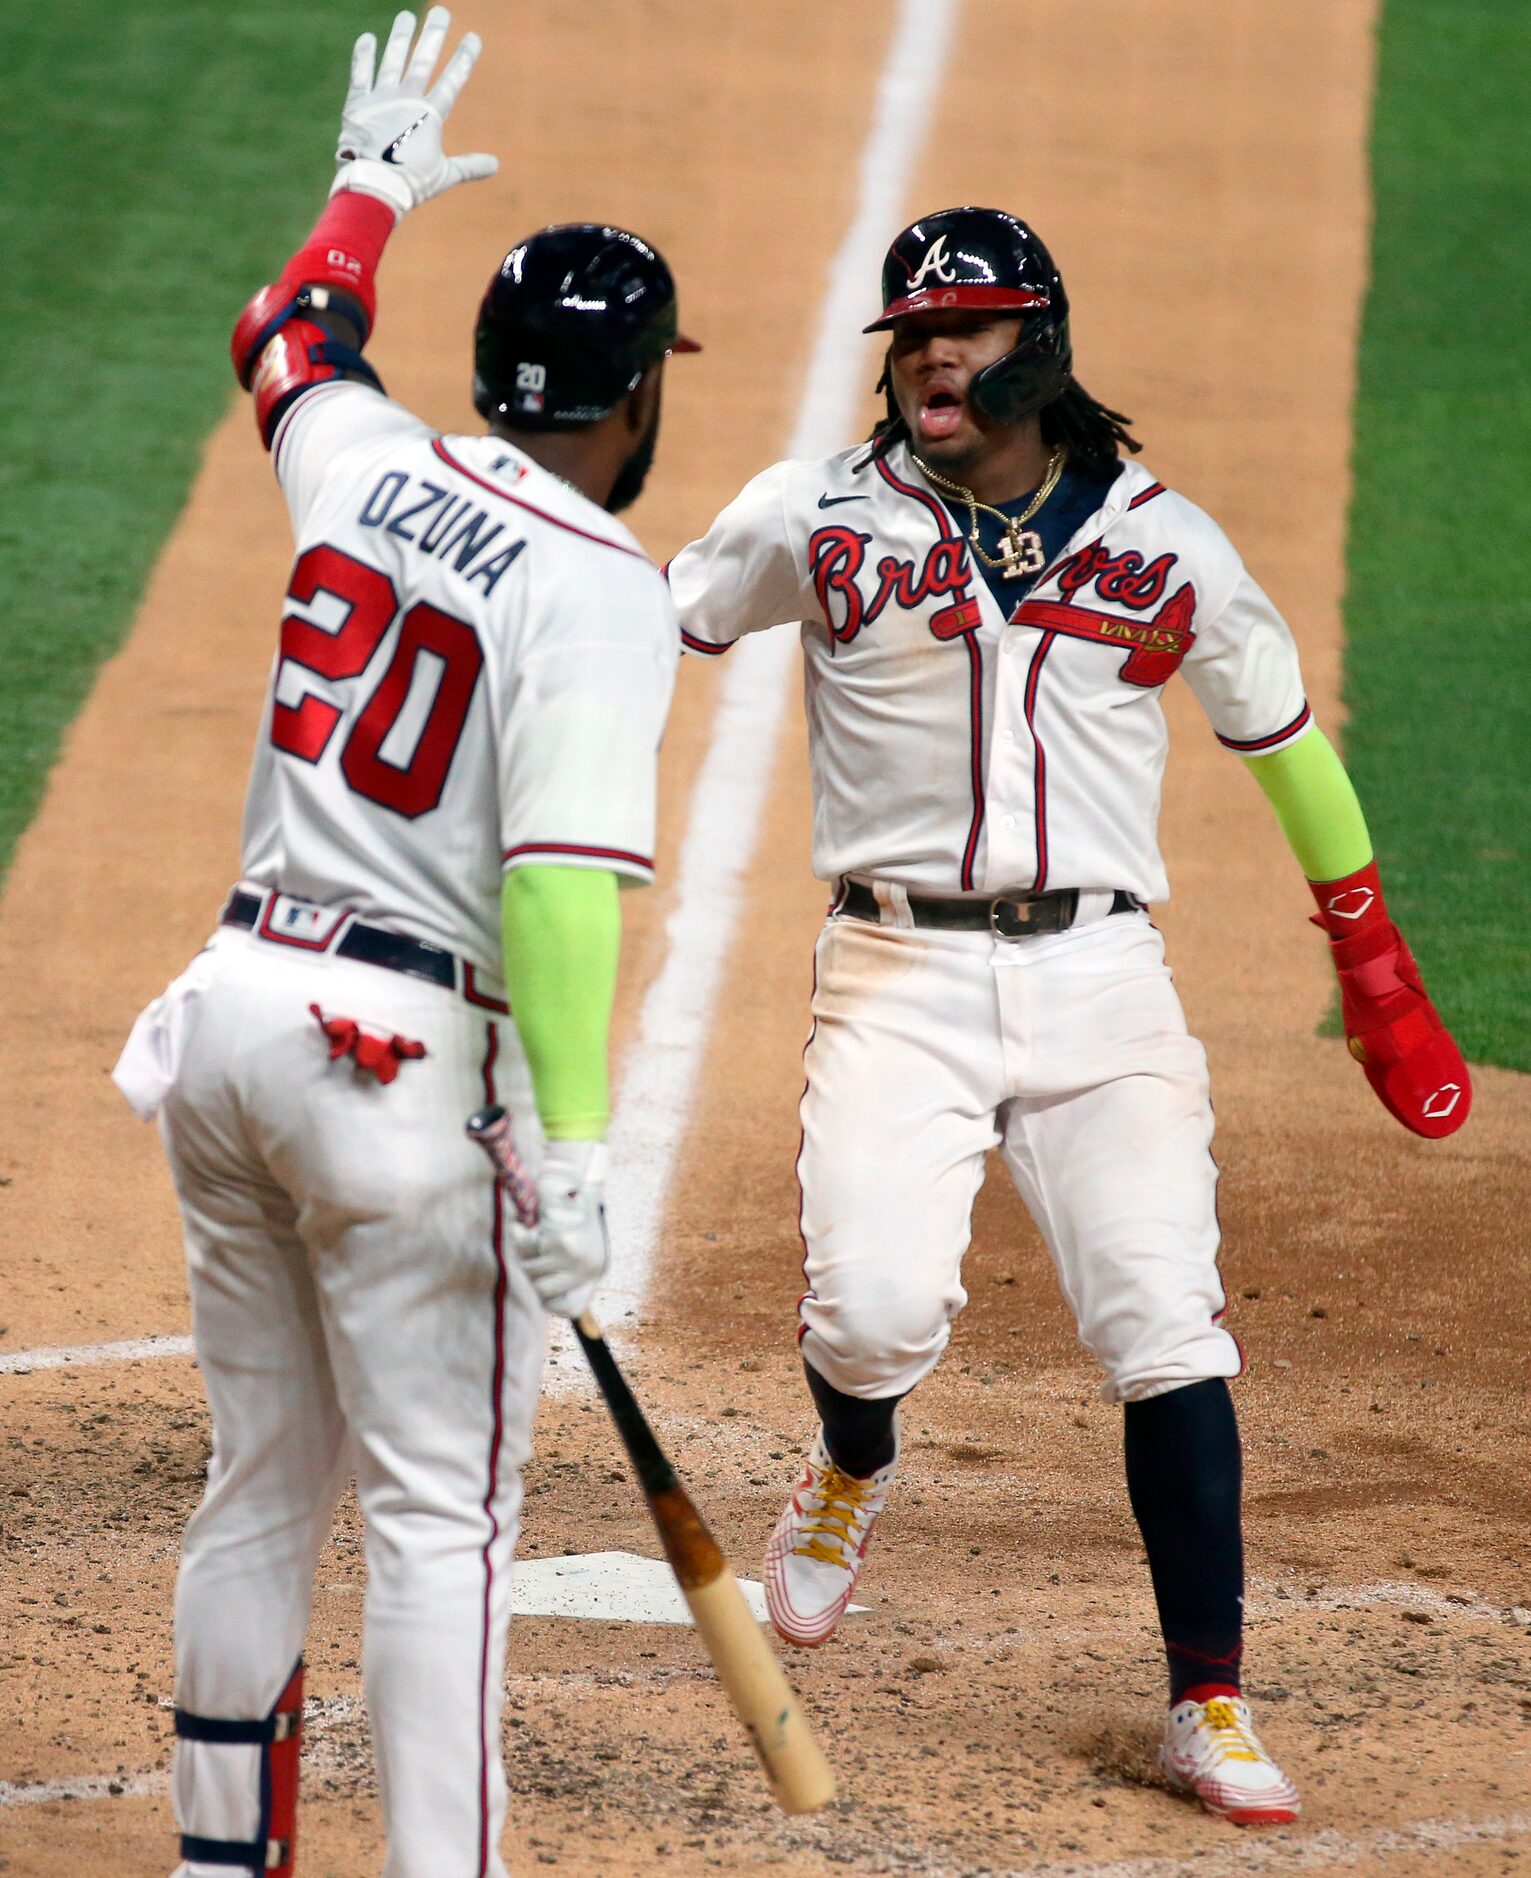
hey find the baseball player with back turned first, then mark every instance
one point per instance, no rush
(455, 770)
(991, 601)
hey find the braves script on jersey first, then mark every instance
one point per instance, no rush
(474, 671)
(955, 749)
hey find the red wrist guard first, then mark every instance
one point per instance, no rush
(1351, 905)
(345, 248)
(1392, 1029)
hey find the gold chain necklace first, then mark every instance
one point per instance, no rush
(1021, 551)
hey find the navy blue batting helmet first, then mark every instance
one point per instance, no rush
(574, 317)
(986, 260)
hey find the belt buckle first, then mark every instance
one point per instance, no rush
(1023, 928)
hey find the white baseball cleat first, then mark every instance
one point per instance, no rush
(1210, 1749)
(813, 1557)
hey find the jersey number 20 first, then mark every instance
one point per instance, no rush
(414, 786)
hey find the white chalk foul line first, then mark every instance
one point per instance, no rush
(1388, 1592)
(69, 1356)
(729, 797)
(86, 1787)
(1296, 1851)
(319, 1719)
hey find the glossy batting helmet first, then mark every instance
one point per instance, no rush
(569, 324)
(985, 259)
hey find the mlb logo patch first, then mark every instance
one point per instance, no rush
(300, 923)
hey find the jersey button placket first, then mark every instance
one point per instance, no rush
(1010, 869)
(1006, 788)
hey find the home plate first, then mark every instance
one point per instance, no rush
(611, 1587)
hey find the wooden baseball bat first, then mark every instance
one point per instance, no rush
(800, 1778)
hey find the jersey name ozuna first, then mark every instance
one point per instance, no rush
(474, 670)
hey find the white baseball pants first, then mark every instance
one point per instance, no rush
(355, 1308)
(1069, 1053)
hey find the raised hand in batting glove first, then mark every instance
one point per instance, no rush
(565, 1253)
(390, 129)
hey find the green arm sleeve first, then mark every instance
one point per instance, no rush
(562, 928)
(1315, 803)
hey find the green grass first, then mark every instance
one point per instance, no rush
(166, 157)
(1438, 607)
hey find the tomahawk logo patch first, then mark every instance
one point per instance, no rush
(1158, 645)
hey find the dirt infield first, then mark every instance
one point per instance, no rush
(995, 1710)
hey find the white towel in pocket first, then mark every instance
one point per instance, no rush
(146, 1069)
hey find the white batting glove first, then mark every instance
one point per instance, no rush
(390, 129)
(565, 1253)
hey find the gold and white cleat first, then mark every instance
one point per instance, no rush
(1211, 1749)
(814, 1555)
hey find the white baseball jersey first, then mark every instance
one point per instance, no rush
(474, 671)
(954, 750)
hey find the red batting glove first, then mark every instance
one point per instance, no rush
(1392, 1029)
(379, 1055)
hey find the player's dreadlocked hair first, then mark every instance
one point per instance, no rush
(1093, 434)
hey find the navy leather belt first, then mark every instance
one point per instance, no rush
(369, 945)
(1008, 916)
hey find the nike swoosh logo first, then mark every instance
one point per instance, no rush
(391, 154)
(827, 501)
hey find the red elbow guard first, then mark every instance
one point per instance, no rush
(290, 361)
(258, 325)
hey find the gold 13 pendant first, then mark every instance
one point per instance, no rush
(1020, 553)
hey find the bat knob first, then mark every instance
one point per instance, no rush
(481, 1121)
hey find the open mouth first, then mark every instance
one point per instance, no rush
(940, 414)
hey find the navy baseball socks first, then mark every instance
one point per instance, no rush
(1184, 1480)
(859, 1435)
(1184, 1476)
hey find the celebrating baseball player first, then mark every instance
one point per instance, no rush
(455, 770)
(991, 601)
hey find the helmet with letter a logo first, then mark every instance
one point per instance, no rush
(574, 317)
(987, 261)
